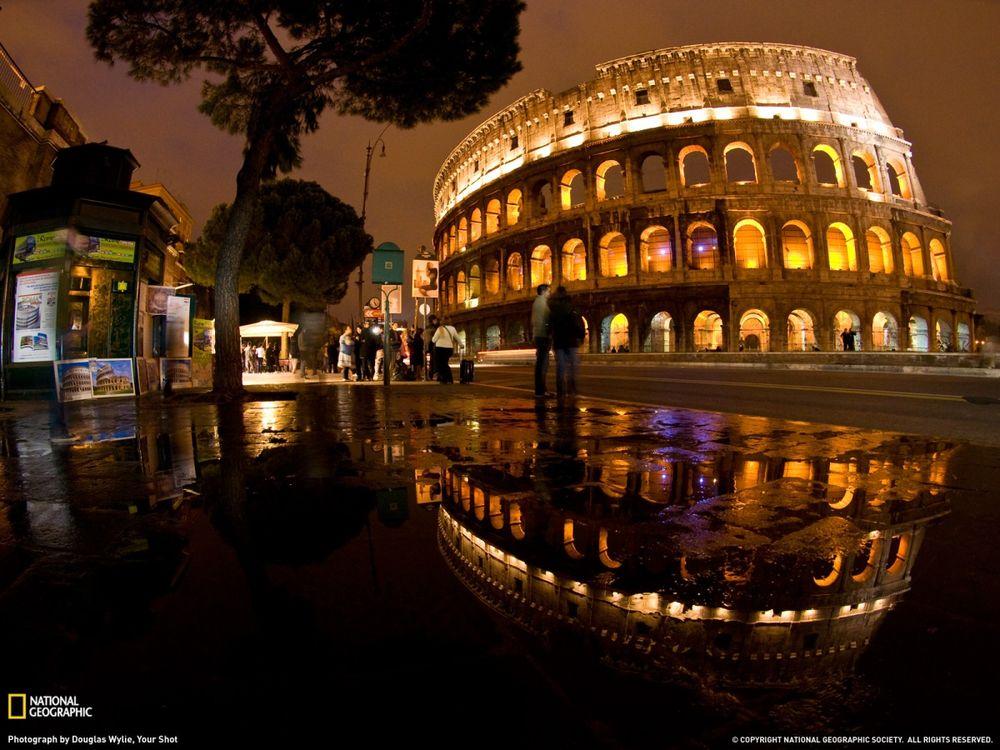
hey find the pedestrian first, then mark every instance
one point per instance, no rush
(847, 339)
(259, 352)
(304, 352)
(543, 342)
(445, 342)
(417, 354)
(293, 354)
(248, 357)
(568, 331)
(432, 326)
(272, 357)
(332, 355)
(345, 353)
(358, 359)
(374, 346)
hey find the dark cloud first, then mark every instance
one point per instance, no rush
(932, 63)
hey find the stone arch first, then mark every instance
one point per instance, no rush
(452, 239)
(475, 225)
(879, 250)
(919, 335)
(841, 249)
(694, 166)
(655, 249)
(939, 260)
(660, 337)
(541, 265)
(866, 171)
(541, 196)
(741, 165)
(614, 333)
(846, 321)
(515, 272)
(783, 165)
(514, 206)
(475, 282)
(796, 245)
(493, 338)
(708, 331)
(463, 234)
(492, 216)
(653, 173)
(574, 260)
(944, 339)
(827, 165)
(702, 246)
(963, 337)
(461, 287)
(755, 331)
(885, 332)
(572, 189)
(899, 180)
(613, 257)
(749, 245)
(913, 254)
(492, 276)
(801, 331)
(610, 180)
(515, 332)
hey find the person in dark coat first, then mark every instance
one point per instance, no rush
(358, 359)
(417, 353)
(567, 331)
(332, 353)
(432, 325)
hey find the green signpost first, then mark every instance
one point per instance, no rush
(387, 271)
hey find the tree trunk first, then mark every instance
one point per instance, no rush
(286, 313)
(228, 381)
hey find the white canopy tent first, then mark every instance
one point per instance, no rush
(267, 328)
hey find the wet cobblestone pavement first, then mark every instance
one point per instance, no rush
(459, 561)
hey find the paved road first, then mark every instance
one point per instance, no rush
(958, 408)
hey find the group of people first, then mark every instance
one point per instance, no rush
(556, 325)
(360, 353)
(262, 357)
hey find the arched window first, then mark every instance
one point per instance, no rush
(610, 180)
(801, 331)
(840, 248)
(515, 332)
(703, 246)
(452, 240)
(741, 167)
(885, 332)
(574, 260)
(693, 162)
(829, 170)
(613, 259)
(542, 195)
(460, 287)
(913, 255)
(783, 165)
(655, 249)
(475, 282)
(476, 225)
(796, 245)
(661, 333)
(846, 321)
(492, 276)
(493, 216)
(654, 175)
(749, 246)
(463, 234)
(572, 189)
(514, 206)
(492, 338)
(866, 171)
(614, 334)
(515, 272)
(964, 337)
(899, 181)
(939, 261)
(541, 265)
(708, 331)
(754, 331)
(942, 336)
(919, 339)
(879, 250)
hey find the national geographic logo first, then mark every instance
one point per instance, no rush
(21, 706)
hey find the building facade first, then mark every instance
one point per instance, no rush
(730, 196)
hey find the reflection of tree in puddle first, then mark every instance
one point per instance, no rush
(742, 568)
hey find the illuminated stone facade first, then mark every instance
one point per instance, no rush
(722, 196)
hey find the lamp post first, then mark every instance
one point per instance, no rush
(369, 150)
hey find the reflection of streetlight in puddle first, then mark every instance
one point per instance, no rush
(268, 415)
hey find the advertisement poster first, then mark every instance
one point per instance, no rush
(156, 299)
(425, 279)
(35, 304)
(176, 371)
(112, 377)
(73, 381)
(395, 298)
(202, 350)
(54, 244)
(178, 326)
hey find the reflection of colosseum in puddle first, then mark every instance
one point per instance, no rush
(746, 571)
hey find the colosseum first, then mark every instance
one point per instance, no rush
(715, 197)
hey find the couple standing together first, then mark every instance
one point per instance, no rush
(555, 324)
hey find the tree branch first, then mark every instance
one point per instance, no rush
(291, 72)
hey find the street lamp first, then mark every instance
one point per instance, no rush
(369, 150)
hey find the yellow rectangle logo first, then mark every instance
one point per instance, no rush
(17, 706)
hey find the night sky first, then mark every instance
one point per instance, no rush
(932, 63)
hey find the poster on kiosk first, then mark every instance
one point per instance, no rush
(35, 304)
